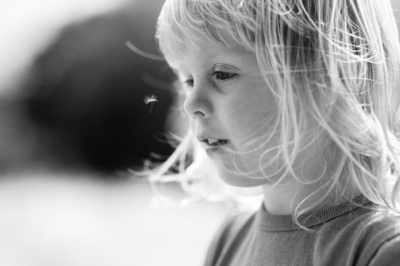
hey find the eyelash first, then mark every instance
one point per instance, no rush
(216, 75)
(228, 75)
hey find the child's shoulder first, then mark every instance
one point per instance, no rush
(237, 224)
(380, 230)
(373, 223)
(369, 236)
(234, 227)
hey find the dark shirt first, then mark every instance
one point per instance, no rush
(358, 233)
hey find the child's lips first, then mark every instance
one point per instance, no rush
(213, 142)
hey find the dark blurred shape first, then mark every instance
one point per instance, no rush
(87, 90)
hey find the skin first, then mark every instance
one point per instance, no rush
(227, 98)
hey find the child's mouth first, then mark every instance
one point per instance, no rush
(212, 142)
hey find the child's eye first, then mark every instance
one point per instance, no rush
(189, 83)
(186, 85)
(222, 75)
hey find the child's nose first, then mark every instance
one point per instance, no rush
(197, 103)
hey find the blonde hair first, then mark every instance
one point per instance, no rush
(335, 62)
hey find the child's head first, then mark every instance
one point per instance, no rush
(290, 88)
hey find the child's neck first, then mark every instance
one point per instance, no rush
(313, 164)
(279, 200)
(283, 199)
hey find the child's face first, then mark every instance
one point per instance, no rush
(231, 105)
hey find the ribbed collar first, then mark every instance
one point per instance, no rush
(275, 223)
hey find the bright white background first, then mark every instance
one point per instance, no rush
(72, 220)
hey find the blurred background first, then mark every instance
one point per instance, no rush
(73, 122)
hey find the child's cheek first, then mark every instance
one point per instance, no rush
(254, 111)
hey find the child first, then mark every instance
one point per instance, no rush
(297, 98)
